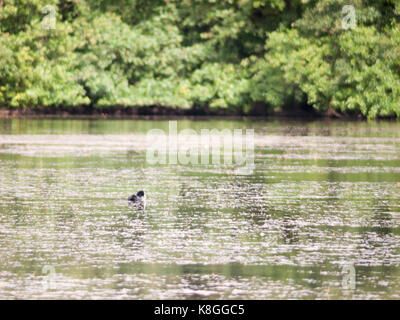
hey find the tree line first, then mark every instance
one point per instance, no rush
(330, 56)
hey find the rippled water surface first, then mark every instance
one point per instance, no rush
(324, 197)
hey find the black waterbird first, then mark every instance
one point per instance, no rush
(138, 200)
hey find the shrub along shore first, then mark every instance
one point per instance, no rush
(200, 57)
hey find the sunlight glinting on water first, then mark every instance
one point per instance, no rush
(320, 197)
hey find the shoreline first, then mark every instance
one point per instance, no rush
(154, 113)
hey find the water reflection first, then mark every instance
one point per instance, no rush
(323, 195)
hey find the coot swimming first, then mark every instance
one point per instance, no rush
(138, 199)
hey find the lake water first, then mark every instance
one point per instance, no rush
(320, 209)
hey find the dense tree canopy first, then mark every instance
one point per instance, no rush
(201, 53)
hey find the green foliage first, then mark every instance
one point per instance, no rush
(218, 85)
(202, 53)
